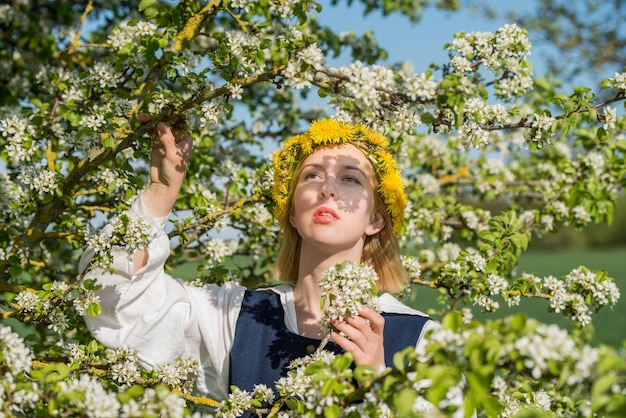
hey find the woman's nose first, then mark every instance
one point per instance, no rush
(328, 187)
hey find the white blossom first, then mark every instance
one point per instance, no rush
(238, 401)
(134, 230)
(14, 353)
(610, 117)
(485, 302)
(58, 321)
(542, 400)
(104, 76)
(473, 221)
(96, 401)
(346, 287)
(412, 266)
(420, 87)
(618, 81)
(217, 249)
(264, 393)
(428, 183)
(93, 121)
(461, 64)
(472, 134)
(581, 214)
(548, 342)
(75, 352)
(595, 161)
(448, 252)
(42, 182)
(125, 373)
(561, 209)
(312, 55)
(26, 301)
(82, 304)
(235, 90)
(496, 284)
(211, 113)
(126, 33)
(187, 61)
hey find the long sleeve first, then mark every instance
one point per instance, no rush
(162, 317)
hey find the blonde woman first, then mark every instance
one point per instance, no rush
(339, 197)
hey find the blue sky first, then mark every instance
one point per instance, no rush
(420, 43)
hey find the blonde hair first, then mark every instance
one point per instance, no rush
(381, 251)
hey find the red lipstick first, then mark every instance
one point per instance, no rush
(325, 215)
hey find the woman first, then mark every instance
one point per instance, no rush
(338, 196)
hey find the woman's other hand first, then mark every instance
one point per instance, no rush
(363, 337)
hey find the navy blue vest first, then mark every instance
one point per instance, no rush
(263, 346)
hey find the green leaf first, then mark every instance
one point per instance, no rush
(401, 360)
(151, 12)
(602, 134)
(343, 361)
(603, 384)
(403, 401)
(144, 4)
(331, 411)
(134, 392)
(452, 321)
(427, 118)
(592, 115)
(93, 346)
(364, 373)
(518, 322)
(51, 373)
(107, 142)
(607, 83)
(94, 309)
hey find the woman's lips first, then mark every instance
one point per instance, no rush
(325, 215)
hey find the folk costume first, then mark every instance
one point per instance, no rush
(239, 337)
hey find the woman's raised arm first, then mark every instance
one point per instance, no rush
(168, 164)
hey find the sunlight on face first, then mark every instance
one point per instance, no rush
(334, 196)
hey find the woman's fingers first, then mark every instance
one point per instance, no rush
(363, 329)
(376, 320)
(184, 146)
(362, 335)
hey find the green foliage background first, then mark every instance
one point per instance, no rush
(607, 328)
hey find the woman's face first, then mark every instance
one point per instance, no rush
(333, 202)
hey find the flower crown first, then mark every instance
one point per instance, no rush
(329, 132)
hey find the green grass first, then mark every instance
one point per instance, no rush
(608, 324)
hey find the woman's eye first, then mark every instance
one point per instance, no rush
(351, 179)
(311, 175)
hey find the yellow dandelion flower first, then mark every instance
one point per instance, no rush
(324, 131)
(386, 160)
(375, 138)
(306, 144)
(291, 142)
(394, 182)
(345, 132)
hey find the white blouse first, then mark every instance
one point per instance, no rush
(163, 317)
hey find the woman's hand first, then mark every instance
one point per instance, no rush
(363, 337)
(169, 160)
(171, 150)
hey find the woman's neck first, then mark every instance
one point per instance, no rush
(306, 299)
